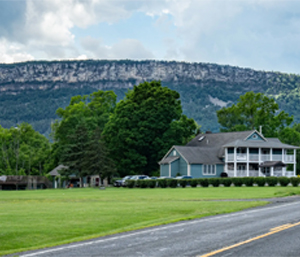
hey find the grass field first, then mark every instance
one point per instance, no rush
(36, 219)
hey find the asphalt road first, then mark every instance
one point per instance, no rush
(272, 230)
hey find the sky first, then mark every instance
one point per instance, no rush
(258, 34)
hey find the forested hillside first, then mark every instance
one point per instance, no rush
(33, 91)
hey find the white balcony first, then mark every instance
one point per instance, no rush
(241, 157)
(230, 157)
(265, 157)
(241, 173)
(289, 158)
(253, 157)
(253, 173)
(277, 157)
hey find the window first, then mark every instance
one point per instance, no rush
(209, 169)
(174, 153)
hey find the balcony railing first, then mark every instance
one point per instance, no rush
(263, 157)
(241, 173)
(253, 157)
(289, 158)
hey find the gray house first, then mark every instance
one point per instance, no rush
(232, 154)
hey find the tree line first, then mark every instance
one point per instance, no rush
(95, 135)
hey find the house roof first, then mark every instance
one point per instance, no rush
(168, 159)
(199, 155)
(272, 164)
(55, 172)
(210, 148)
(271, 143)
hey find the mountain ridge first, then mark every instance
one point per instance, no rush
(32, 91)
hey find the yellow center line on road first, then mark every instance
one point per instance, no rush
(272, 231)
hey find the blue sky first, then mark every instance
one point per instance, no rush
(258, 34)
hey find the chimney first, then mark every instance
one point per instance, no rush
(260, 130)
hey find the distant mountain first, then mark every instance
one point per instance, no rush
(32, 91)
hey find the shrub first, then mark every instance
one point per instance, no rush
(151, 183)
(284, 181)
(194, 182)
(272, 181)
(295, 181)
(142, 183)
(172, 183)
(226, 182)
(130, 183)
(203, 182)
(183, 182)
(215, 182)
(260, 181)
(162, 183)
(114, 179)
(248, 181)
(238, 182)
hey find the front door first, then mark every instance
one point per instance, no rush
(266, 171)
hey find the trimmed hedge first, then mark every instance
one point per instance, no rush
(172, 183)
(130, 183)
(260, 181)
(295, 181)
(226, 182)
(203, 182)
(272, 181)
(215, 182)
(194, 182)
(183, 182)
(151, 183)
(162, 183)
(248, 181)
(284, 181)
(238, 182)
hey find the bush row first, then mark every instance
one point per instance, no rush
(215, 182)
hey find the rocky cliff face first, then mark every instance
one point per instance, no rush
(121, 74)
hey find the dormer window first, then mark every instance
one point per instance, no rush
(174, 153)
(201, 138)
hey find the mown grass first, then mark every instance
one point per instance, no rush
(36, 219)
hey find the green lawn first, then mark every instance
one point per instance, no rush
(36, 219)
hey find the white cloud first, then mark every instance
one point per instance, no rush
(251, 33)
(10, 53)
(124, 49)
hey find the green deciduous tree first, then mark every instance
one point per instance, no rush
(74, 133)
(144, 126)
(23, 151)
(251, 111)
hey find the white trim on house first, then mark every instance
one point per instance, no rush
(205, 166)
(255, 131)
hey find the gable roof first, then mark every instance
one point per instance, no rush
(271, 143)
(197, 155)
(55, 172)
(169, 159)
(214, 142)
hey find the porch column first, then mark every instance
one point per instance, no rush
(259, 161)
(234, 159)
(189, 170)
(271, 154)
(169, 169)
(294, 162)
(272, 171)
(247, 167)
(283, 154)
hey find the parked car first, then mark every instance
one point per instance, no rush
(184, 177)
(121, 182)
(138, 177)
(165, 177)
